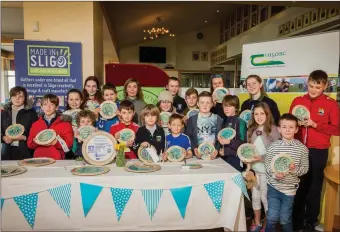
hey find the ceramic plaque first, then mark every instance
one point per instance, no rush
(99, 148)
(301, 112)
(126, 135)
(90, 171)
(36, 162)
(206, 150)
(92, 105)
(227, 133)
(7, 171)
(280, 163)
(45, 137)
(140, 167)
(164, 117)
(246, 116)
(192, 166)
(219, 93)
(108, 109)
(175, 154)
(14, 131)
(192, 112)
(246, 152)
(85, 131)
(144, 155)
(73, 114)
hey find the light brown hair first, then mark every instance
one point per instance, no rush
(175, 117)
(139, 95)
(150, 109)
(191, 91)
(98, 96)
(259, 80)
(318, 76)
(17, 90)
(51, 98)
(205, 94)
(86, 114)
(126, 105)
(231, 100)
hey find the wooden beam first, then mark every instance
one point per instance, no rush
(305, 4)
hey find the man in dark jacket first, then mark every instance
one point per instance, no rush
(179, 102)
(17, 111)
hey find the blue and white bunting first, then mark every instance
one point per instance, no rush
(181, 197)
(215, 192)
(62, 196)
(89, 195)
(151, 199)
(120, 197)
(28, 206)
(239, 181)
(2, 202)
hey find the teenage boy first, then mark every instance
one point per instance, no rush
(51, 120)
(127, 111)
(173, 87)
(17, 111)
(315, 133)
(204, 126)
(282, 186)
(191, 96)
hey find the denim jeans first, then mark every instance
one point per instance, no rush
(280, 208)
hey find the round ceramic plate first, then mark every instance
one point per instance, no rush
(227, 133)
(108, 109)
(92, 105)
(7, 171)
(85, 131)
(126, 135)
(192, 112)
(164, 117)
(206, 150)
(45, 137)
(99, 148)
(73, 114)
(301, 112)
(144, 155)
(280, 163)
(140, 167)
(246, 116)
(219, 93)
(192, 166)
(90, 171)
(175, 154)
(14, 131)
(246, 152)
(36, 162)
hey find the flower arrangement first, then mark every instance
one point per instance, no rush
(120, 158)
(80, 160)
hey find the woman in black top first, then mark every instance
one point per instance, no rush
(257, 94)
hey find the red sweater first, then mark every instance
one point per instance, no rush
(120, 126)
(62, 128)
(325, 113)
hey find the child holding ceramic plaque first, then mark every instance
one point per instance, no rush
(286, 160)
(176, 138)
(92, 94)
(262, 132)
(191, 97)
(51, 120)
(122, 129)
(231, 105)
(166, 108)
(109, 94)
(204, 126)
(150, 133)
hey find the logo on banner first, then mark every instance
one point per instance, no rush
(149, 97)
(267, 59)
(48, 60)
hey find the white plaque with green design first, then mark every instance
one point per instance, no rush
(164, 118)
(45, 137)
(280, 163)
(219, 93)
(108, 109)
(246, 152)
(301, 112)
(140, 167)
(126, 135)
(14, 131)
(175, 154)
(85, 131)
(206, 150)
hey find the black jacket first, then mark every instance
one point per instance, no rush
(249, 105)
(179, 104)
(26, 117)
(218, 109)
(157, 139)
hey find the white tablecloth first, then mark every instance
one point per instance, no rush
(200, 213)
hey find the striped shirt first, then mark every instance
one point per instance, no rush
(299, 153)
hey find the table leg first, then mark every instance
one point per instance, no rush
(331, 197)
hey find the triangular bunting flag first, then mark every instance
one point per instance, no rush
(2, 202)
(151, 199)
(89, 194)
(120, 197)
(62, 196)
(28, 206)
(181, 197)
(215, 192)
(239, 181)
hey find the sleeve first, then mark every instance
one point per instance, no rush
(304, 163)
(137, 141)
(244, 105)
(3, 129)
(113, 130)
(163, 141)
(275, 112)
(166, 142)
(34, 117)
(189, 132)
(267, 161)
(30, 142)
(218, 129)
(333, 127)
(187, 143)
(67, 135)
(240, 137)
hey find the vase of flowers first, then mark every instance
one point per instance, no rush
(120, 158)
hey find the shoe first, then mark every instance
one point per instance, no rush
(255, 228)
(309, 227)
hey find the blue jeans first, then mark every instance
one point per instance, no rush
(280, 208)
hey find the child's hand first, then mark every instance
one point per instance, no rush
(145, 144)
(117, 135)
(214, 154)
(292, 167)
(197, 154)
(7, 139)
(184, 151)
(221, 152)
(256, 158)
(95, 129)
(165, 156)
(130, 143)
(310, 122)
(279, 175)
(52, 143)
(21, 137)
(188, 155)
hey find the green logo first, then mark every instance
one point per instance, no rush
(150, 94)
(48, 60)
(267, 59)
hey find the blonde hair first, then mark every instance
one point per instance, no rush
(150, 109)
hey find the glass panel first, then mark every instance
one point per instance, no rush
(239, 14)
(245, 11)
(245, 25)
(263, 15)
(254, 20)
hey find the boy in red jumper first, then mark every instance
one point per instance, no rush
(315, 133)
(127, 110)
(51, 120)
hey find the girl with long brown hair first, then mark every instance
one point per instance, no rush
(92, 93)
(262, 132)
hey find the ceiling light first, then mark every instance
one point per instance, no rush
(205, 21)
(157, 31)
(218, 11)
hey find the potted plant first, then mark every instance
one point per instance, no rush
(80, 161)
